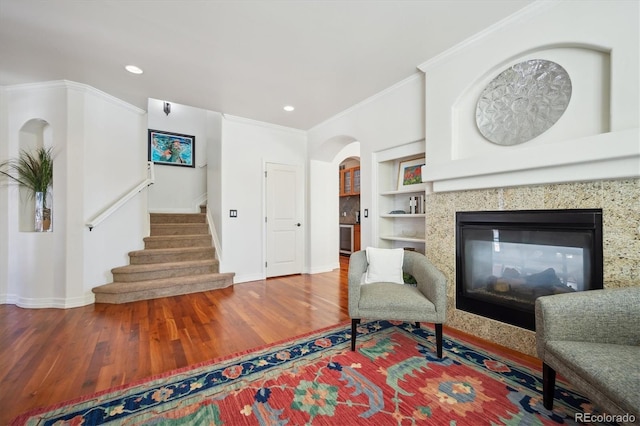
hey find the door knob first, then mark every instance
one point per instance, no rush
(297, 224)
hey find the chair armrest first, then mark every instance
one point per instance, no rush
(604, 316)
(357, 266)
(430, 281)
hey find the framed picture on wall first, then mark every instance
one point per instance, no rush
(410, 173)
(172, 149)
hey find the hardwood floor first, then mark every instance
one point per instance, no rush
(49, 356)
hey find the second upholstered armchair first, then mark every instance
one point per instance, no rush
(592, 339)
(377, 290)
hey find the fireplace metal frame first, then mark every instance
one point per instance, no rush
(549, 220)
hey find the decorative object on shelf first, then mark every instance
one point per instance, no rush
(397, 212)
(410, 173)
(523, 102)
(173, 149)
(409, 233)
(416, 204)
(34, 171)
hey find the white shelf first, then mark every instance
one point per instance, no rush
(414, 188)
(406, 239)
(406, 215)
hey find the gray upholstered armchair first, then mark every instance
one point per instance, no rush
(424, 302)
(592, 338)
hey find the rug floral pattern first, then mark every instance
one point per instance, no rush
(393, 378)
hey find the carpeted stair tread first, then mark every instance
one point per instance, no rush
(143, 272)
(177, 241)
(164, 265)
(179, 229)
(177, 218)
(118, 292)
(175, 254)
(120, 287)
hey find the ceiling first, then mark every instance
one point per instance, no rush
(243, 58)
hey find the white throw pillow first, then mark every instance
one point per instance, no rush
(385, 265)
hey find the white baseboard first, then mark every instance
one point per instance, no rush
(49, 302)
(321, 269)
(247, 277)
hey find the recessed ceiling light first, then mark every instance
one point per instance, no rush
(133, 69)
(289, 108)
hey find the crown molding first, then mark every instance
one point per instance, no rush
(252, 122)
(523, 14)
(79, 87)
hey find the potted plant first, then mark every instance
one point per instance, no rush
(33, 170)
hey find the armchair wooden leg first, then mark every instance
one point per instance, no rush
(548, 386)
(354, 331)
(439, 339)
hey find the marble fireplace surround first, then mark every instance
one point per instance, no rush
(619, 200)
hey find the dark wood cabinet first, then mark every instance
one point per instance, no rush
(350, 181)
(356, 237)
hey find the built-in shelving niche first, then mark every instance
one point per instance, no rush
(395, 230)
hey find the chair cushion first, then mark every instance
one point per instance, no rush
(612, 369)
(394, 300)
(385, 265)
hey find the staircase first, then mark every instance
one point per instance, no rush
(178, 258)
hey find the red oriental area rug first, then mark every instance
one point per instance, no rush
(393, 378)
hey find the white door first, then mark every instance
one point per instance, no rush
(283, 220)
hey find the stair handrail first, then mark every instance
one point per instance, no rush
(96, 220)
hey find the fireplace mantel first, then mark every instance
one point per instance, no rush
(611, 155)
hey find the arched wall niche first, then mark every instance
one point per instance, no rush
(34, 134)
(589, 68)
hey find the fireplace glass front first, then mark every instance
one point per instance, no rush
(507, 259)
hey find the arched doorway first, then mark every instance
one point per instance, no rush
(324, 181)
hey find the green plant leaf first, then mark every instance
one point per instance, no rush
(33, 170)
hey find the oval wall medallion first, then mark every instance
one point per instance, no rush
(523, 102)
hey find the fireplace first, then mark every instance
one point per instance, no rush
(506, 259)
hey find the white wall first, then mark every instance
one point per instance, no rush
(115, 162)
(247, 146)
(391, 118)
(52, 269)
(179, 189)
